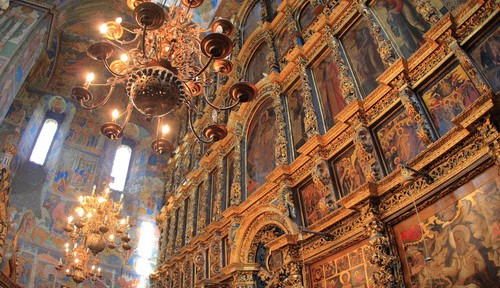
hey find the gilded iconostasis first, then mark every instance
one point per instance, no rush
(309, 188)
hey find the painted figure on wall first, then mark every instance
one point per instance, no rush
(297, 116)
(16, 114)
(449, 97)
(328, 86)
(261, 142)
(461, 241)
(361, 50)
(398, 140)
(257, 66)
(487, 56)
(349, 173)
(403, 23)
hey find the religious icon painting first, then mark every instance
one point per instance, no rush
(361, 51)
(401, 21)
(297, 115)
(456, 241)
(328, 88)
(485, 55)
(252, 21)
(449, 96)
(398, 140)
(348, 172)
(306, 16)
(258, 64)
(284, 42)
(314, 202)
(261, 144)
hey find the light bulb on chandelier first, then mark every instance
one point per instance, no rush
(163, 67)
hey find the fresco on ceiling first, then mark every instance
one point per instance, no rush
(306, 16)
(486, 56)
(328, 86)
(252, 21)
(398, 140)
(461, 238)
(448, 97)
(261, 139)
(365, 62)
(257, 66)
(297, 116)
(15, 25)
(352, 268)
(348, 171)
(404, 25)
(24, 269)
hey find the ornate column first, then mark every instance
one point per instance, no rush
(243, 279)
(202, 209)
(218, 184)
(310, 121)
(180, 224)
(346, 82)
(236, 185)
(491, 137)
(428, 11)
(236, 39)
(190, 212)
(292, 266)
(280, 150)
(271, 58)
(199, 264)
(384, 47)
(380, 247)
(365, 149)
(414, 110)
(186, 267)
(215, 256)
(171, 240)
(469, 68)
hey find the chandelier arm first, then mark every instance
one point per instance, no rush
(202, 69)
(106, 64)
(193, 130)
(104, 101)
(121, 42)
(130, 106)
(144, 41)
(218, 107)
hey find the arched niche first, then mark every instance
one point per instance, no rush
(257, 65)
(263, 218)
(260, 145)
(252, 19)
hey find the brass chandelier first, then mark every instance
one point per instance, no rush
(164, 63)
(98, 224)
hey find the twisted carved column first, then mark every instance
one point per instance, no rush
(491, 137)
(415, 112)
(271, 57)
(280, 151)
(190, 212)
(384, 47)
(292, 266)
(180, 222)
(170, 243)
(310, 121)
(236, 185)
(346, 82)
(243, 279)
(218, 184)
(202, 209)
(365, 149)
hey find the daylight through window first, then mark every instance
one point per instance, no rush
(44, 141)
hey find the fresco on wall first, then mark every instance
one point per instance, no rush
(361, 50)
(306, 16)
(461, 233)
(402, 23)
(328, 87)
(352, 268)
(84, 133)
(297, 116)
(448, 97)
(257, 65)
(75, 173)
(398, 140)
(252, 21)
(486, 56)
(261, 139)
(15, 25)
(348, 171)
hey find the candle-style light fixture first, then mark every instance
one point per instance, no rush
(97, 224)
(164, 62)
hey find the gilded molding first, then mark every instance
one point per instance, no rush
(280, 152)
(310, 121)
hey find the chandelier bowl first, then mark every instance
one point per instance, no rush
(95, 243)
(192, 3)
(243, 92)
(155, 91)
(215, 132)
(111, 130)
(100, 51)
(216, 46)
(149, 15)
(81, 94)
(162, 146)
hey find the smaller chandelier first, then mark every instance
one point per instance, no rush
(81, 265)
(164, 63)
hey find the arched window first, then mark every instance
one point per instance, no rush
(120, 167)
(44, 141)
